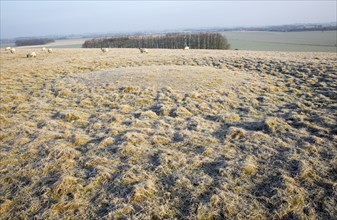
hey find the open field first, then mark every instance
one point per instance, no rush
(67, 43)
(195, 134)
(311, 41)
(308, 41)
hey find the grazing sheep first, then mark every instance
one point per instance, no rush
(186, 48)
(104, 50)
(43, 49)
(12, 50)
(50, 50)
(143, 50)
(32, 54)
(7, 48)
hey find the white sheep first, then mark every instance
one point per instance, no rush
(186, 48)
(104, 50)
(143, 50)
(7, 48)
(50, 50)
(43, 49)
(32, 54)
(12, 50)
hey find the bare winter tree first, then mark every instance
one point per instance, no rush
(170, 41)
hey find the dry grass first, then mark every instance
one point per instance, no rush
(169, 134)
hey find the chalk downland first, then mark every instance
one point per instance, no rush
(198, 135)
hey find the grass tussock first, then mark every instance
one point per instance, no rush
(80, 139)
(70, 116)
(169, 135)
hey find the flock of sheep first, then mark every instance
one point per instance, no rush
(142, 50)
(31, 54)
(12, 50)
(104, 50)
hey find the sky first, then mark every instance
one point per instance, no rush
(39, 18)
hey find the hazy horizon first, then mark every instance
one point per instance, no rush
(37, 18)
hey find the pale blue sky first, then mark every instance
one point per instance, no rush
(35, 18)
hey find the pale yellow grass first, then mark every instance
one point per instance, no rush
(171, 134)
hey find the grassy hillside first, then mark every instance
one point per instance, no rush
(196, 134)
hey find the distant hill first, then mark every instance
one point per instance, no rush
(330, 26)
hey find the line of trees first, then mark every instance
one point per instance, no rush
(33, 41)
(170, 41)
